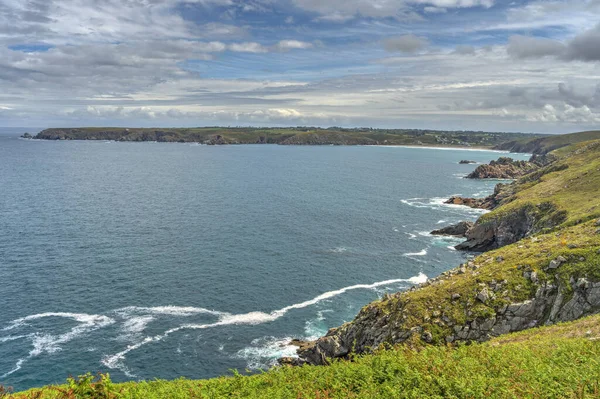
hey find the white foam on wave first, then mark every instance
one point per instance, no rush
(182, 311)
(264, 352)
(315, 328)
(48, 343)
(250, 318)
(137, 324)
(441, 221)
(420, 253)
(411, 236)
(339, 250)
(438, 203)
(12, 338)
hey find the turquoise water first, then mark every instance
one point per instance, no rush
(156, 260)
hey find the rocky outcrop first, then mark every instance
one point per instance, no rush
(501, 193)
(388, 323)
(503, 168)
(506, 228)
(460, 230)
(478, 203)
(27, 136)
(466, 162)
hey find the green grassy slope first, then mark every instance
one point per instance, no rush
(547, 144)
(561, 361)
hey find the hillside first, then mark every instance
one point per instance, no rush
(546, 269)
(560, 361)
(287, 136)
(544, 145)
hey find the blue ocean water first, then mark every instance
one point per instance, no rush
(156, 260)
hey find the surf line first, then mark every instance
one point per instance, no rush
(251, 318)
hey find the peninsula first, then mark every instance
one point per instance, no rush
(293, 136)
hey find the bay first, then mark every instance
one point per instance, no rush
(156, 260)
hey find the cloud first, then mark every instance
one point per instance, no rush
(583, 47)
(465, 50)
(566, 114)
(586, 46)
(405, 43)
(343, 10)
(286, 45)
(522, 47)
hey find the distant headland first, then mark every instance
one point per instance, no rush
(292, 136)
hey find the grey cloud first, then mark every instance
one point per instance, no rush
(342, 10)
(522, 47)
(583, 47)
(405, 44)
(465, 50)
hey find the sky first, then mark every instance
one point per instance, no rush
(492, 65)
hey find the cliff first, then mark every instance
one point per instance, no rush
(503, 168)
(543, 267)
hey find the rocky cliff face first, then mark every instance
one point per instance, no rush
(510, 227)
(392, 320)
(503, 168)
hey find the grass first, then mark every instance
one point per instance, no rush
(561, 361)
(550, 143)
(573, 190)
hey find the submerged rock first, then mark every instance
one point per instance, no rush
(466, 162)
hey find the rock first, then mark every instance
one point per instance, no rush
(483, 295)
(598, 222)
(572, 246)
(466, 162)
(534, 277)
(503, 168)
(460, 229)
(27, 136)
(511, 227)
(427, 337)
(455, 297)
(553, 265)
(290, 361)
(598, 231)
(499, 259)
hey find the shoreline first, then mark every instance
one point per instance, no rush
(432, 147)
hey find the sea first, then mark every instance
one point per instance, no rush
(166, 260)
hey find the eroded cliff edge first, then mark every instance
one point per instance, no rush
(543, 267)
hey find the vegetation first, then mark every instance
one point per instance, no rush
(290, 136)
(544, 145)
(561, 361)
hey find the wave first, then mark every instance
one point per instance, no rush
(339, 250)
(438, 203)
(264, 352)
(420, 253)
(182, 311)
(48, 343)
(250, 318)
